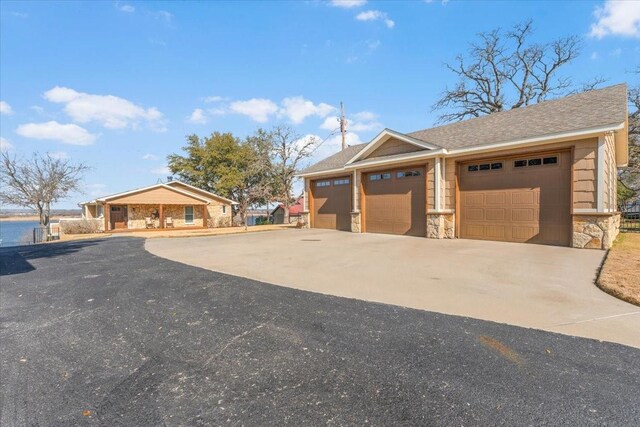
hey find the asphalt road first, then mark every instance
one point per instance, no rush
(104, 333)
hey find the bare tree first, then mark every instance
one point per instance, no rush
(505, 71)
(38, 182)
(630, 175)
(289, 150)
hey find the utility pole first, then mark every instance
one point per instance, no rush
(343, 126)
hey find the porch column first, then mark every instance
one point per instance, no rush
(204, 216)
(107, 214)
(161, 216)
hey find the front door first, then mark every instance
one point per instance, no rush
(118, 217)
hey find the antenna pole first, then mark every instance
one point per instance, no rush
(343, 126)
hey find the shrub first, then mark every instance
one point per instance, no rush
(82, 226)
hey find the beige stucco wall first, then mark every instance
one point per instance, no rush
(90, 211)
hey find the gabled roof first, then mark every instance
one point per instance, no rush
(161, 185)
(200, 190)
(384, 136)
(579, 115)
(592, 109)
(336, 161)
(294, 209)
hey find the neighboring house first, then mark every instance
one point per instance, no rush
(295, 211)
(174, 204)
(541, 174)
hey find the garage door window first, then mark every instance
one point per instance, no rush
(485, 167)
(551, 160)
(323, 183)
(380, 176)
(406, 174)
(344, 181)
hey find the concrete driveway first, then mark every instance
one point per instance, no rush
(542, 287)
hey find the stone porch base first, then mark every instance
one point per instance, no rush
(305, 219)
(441, 226)
(595, 231)
(355, 222)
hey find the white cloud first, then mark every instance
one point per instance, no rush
(376, 15)
(110, 111)
(217, 111)
(330, 124)
(297, 109)
(125, 7)
(67, 134)
(594, 56)
(163, 170)
(20, 15)
(38, 109)
(347, 4)
(61, 155)
(616, 52)
(197, 116)
(210, 99)
(365, 116)
(5, 108)
(617, 18)
(5, 145)
(258, 109)
(149, 157)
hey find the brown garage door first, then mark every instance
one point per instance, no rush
(523, 199)
(395, 202)
(331, 203)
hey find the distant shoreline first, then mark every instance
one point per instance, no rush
(18, 218)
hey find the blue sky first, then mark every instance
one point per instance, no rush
(118, 85)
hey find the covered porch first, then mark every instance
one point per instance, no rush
(154, 216)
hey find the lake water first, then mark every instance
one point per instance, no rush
(15, 233)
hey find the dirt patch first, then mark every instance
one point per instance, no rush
(619, 275)
(501, 349)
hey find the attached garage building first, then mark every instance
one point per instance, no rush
(542, 174)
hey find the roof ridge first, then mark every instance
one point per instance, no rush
(513, 110)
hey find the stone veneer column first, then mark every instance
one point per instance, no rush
(595, 231)
(305, 217)
(440, 226)
(355, 222)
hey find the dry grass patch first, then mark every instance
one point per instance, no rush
(620, 275)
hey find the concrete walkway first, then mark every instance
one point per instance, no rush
(542, 287)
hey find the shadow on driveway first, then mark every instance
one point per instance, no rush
(16, 259)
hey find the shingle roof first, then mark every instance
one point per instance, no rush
(595, 108)
(336, 161)
(584, 110)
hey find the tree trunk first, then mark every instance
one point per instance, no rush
(286, 212)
